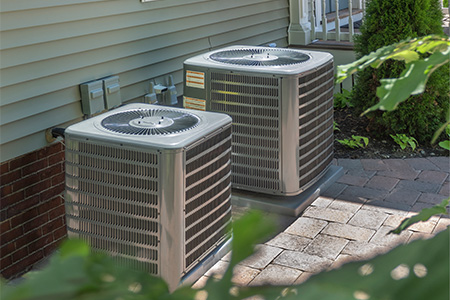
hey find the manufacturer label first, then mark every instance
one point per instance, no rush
(195, 79)
(193, 103)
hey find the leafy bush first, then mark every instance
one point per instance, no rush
(342, 100)
(387, 22)
(355, 142)
(403, 141)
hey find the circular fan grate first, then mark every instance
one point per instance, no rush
(260, 57)
(150, 122)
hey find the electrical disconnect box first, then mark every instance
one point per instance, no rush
(92, 97)
(99, 95)
(111, 87)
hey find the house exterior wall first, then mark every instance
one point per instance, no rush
(48, 48)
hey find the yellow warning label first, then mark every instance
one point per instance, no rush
(195, 79)
(193, 103)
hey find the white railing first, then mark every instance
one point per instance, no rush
(329, 26)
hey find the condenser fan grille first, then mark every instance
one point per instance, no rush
(260, 57)
(150, 122)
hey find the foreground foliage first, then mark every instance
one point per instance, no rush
(387, 22)
(403, 273)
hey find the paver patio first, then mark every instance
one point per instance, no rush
(349, 221)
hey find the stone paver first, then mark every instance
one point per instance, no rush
(374, 165)
(322, 202)
(243, 275)
(303, 261)
(349, 232)
(306, 227)
(263, 255)
(445, 189)
(276, 275)
(352, 207)
(368, 219)
(403, 195)
(289, 242)
(422, 164)
(388, 207)
(326, 246)
(430, 198)
(349, 222)
(352, 180)
(334, 190)
(442, 162)
(382, 183)
(382, 237)
(358, 193)
(364, 250)
(432, 176)
(328, 214)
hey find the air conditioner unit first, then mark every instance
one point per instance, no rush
(151, 186)
(281, 103)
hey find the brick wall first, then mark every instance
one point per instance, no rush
(31, 208)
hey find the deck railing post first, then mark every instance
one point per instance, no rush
(324, 21)
(350, 20)
(337, 22)
(313, 19)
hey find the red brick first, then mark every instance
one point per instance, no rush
(9, 177)
(48, 205)
(28, 238)
(52, 247)
(57, 212)
(37, 188)
(23, 205)
(52, 225)
(35, 167)
(4, 167)
(7, 249)
(61, 232)
(52, 149)
(50, 171)
(23, 160)
(56, 158)
(40, 243)
(51, 193)
(11, 199)
(22, 265)
(36, 222)
(25, 182)
(6, 262)
(5, 226)
(20, 254)
(60, 178)
(24, 217)
(6, 190)
(9, 236)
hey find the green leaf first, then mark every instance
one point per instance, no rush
(406, 55)
(423, 215)
(445, 144)
(74, 247)
(412, 81)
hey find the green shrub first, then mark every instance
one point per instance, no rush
(387, 22)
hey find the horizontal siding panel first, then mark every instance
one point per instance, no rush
(200, 25)
(38, 69)
(53, 50)
(40, 122)
(45, 33)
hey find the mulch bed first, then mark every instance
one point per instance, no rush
(351, 123)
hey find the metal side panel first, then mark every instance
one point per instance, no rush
(172, 223)
(208, 196)
(113, 200)
(253, 102)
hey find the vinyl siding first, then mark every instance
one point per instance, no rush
(49, 47)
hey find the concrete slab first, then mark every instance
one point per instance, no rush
(287, 205)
